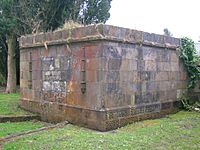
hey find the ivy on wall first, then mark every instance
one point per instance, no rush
(191, 60)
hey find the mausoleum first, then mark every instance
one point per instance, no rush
(100, 76)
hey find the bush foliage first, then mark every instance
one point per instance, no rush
(191, 61)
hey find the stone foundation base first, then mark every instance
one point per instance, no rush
(103, 120)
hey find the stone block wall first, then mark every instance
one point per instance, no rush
(100, 76)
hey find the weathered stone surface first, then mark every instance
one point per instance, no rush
(150, 66)
(147, 75)
(162, 76)
(112, 76)
(149, 54)
(100, 76)
(164, 66)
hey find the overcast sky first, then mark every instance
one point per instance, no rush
(181, 17)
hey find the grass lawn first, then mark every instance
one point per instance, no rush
(17, 127)
(9, 105)
(180, 131)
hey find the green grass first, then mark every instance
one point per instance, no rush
(9, 105)
(9, 128)
(180, 131)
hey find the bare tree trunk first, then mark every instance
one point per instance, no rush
(11, 80)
